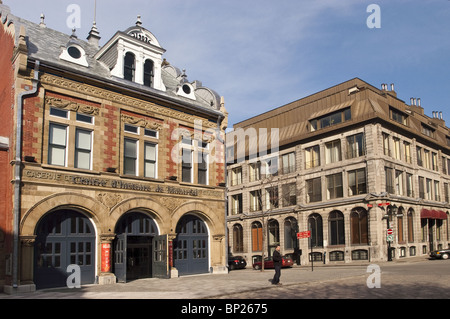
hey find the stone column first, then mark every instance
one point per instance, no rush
(106, 277)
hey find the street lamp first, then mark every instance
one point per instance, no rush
(391, 211)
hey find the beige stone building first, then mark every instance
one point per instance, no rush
(114, 156)
(352, 162)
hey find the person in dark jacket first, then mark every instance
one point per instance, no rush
(277, 262)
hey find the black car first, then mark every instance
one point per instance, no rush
(236, 262)
(441, 253)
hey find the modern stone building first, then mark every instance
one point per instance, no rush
(110, 160)
(352, 162)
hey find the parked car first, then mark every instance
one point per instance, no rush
(441, 254)
(236, 262)
(268, 263)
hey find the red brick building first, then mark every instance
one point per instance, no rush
(110, 160)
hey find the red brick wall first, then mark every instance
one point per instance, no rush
(6, 130)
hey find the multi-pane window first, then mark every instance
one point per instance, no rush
(399, 182)
(288, 162)
(57, 148)
(270, 167)
(202, 169)
(255, 171)
(236, 204)
(257, 238)
(331, 119)
(398, 116)
(312, 156)
(397, 148)
(130, 164)
(186, 165)
(314, 190)
(359, 227)
(148, 73)
(129, 66)
(333, 152)
(386, 145)
(357, 182)
(315, 225)
(409, 185)
(236, 176)
(255, 200)
(289, 194)
(389, 180)
(355, 146)
(83, 149)
(272, 197)
(150, 160)
(407, 152)
(421, 187)
(419, 156)
(334, 186)
(336, 228)
(238, 238)
(428, 131)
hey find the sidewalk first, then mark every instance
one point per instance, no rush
(207, 285)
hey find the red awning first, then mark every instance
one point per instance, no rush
(432, 214)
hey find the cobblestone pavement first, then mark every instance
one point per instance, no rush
(415, 278)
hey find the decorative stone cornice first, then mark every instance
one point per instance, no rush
(141, 122)
(71, 106)
(148, 107)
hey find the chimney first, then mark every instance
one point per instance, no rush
(392, 87)
(94, 36)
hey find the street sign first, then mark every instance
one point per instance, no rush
(390, 232)
(390, 238)
(304, 234)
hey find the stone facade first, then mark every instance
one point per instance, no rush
(347, 182)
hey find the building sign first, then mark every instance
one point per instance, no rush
(108, 183)
(106, 257)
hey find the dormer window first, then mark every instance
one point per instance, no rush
(75, 54)
(148, 73)
(129, 66)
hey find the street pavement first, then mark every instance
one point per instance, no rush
(405, 278)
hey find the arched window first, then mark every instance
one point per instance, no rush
(238, 238)
(129, 66)
(336, 228)
(256, 236)
(410, 222)
(148, 73)
(400, 226)
(274, 235)
(359, 226)
(315, 225)
(290, 233)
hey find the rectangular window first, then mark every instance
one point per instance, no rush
(272, 197)
(255, 171)
(437, 193)
(288, 162)
(357, 182)
(398, 116)
(131, 129)
(270, 167)
(428, 131)
(289, 194)
(386, 145)
(151, 133)
(409, 185)
(202, 169)
(399, 182)
(57, 147)
(331, 119)
(236, 176)
(389, 180)
(419, 156)
(333, 152)
(397, 148)
(355, 146)
(59, 113)
(83, 149)
(334, 186)
(422, 187)
(130, 157)
(434, 161)
(255, 200)
(236, 204)
(426, 159)
(407, 152)
(85, 118)
(428, 189)
(312, 157)
(186, 165)
(150, 160)
(314, 190)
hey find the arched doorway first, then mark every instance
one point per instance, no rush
(191, 246)
(133, 247)
(63, 238)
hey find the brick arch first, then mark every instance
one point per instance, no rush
(90, 206)
(198, 209)
(144, 204)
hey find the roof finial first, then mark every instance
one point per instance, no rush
(139, 22)
(42, 24)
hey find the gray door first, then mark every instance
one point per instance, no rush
(190, 248)
(120, 258)
(160, 265)
(64, 238)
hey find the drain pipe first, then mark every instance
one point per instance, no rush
(18, 175)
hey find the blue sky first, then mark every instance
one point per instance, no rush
(262, 54)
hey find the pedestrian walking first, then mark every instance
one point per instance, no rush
(277, 261)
